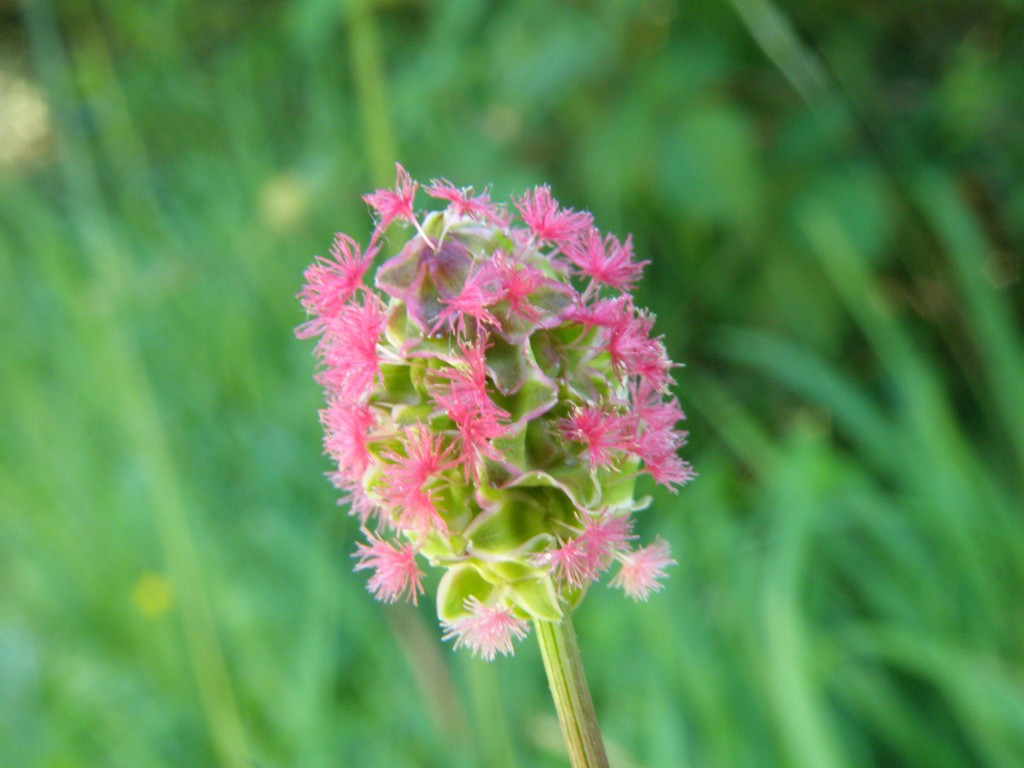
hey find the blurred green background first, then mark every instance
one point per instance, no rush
(831, 195)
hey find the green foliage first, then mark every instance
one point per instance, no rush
(831, 200)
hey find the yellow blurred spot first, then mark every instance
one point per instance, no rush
(284, 202)
(152, 595)
(25, 134)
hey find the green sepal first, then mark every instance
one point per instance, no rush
(459, 583)
(455, 503)
(397, 329)
(511, 446)
(397, 385)
(516, 519)
(534, 398)
(617, 485)
(433, 225)
(505, 571)
(438, 547)
(537, 597)
(507, 366)
(481, 240)
(549, 352)
(575, 481)
(408, 415)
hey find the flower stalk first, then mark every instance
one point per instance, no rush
(492, 393)
(568, 684)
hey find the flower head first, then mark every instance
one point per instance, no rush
(491, 399)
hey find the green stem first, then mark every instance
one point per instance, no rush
(371, 91)
(569, 690)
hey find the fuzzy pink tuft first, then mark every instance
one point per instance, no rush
(410, 484)
(643, 569)
(469, 406)
(462, 201)
(517, 282)
(395, 572)
(603, 432)
(346, 436)
(581, 560)
(629, 344)
(604, 537)
(570, 563)
(487, 630)
(547, 221)
(657, 441)
(481, 291)
(657, 449)
(394, 204)
(348, 349)
(331, 283)
(606, 261)
(603, 313)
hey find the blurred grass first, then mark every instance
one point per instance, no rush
(832, 204)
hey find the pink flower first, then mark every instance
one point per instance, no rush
(346, 435)
(547, 221)
(628, 340)
(518, 281)
(603, 313)
(466, 390)
(462, 202)
(348, 349)
(602, 431)
(487, 630)
(657, 449)
(643, 569)
(609, 261)
(330, 284)
(469, 406)
(409, 485)
(480, 291)
(581, 560)
(655, 411)
(570, 563)
(394, 204)
(394, 569)
(605, 536)
(657, 440)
